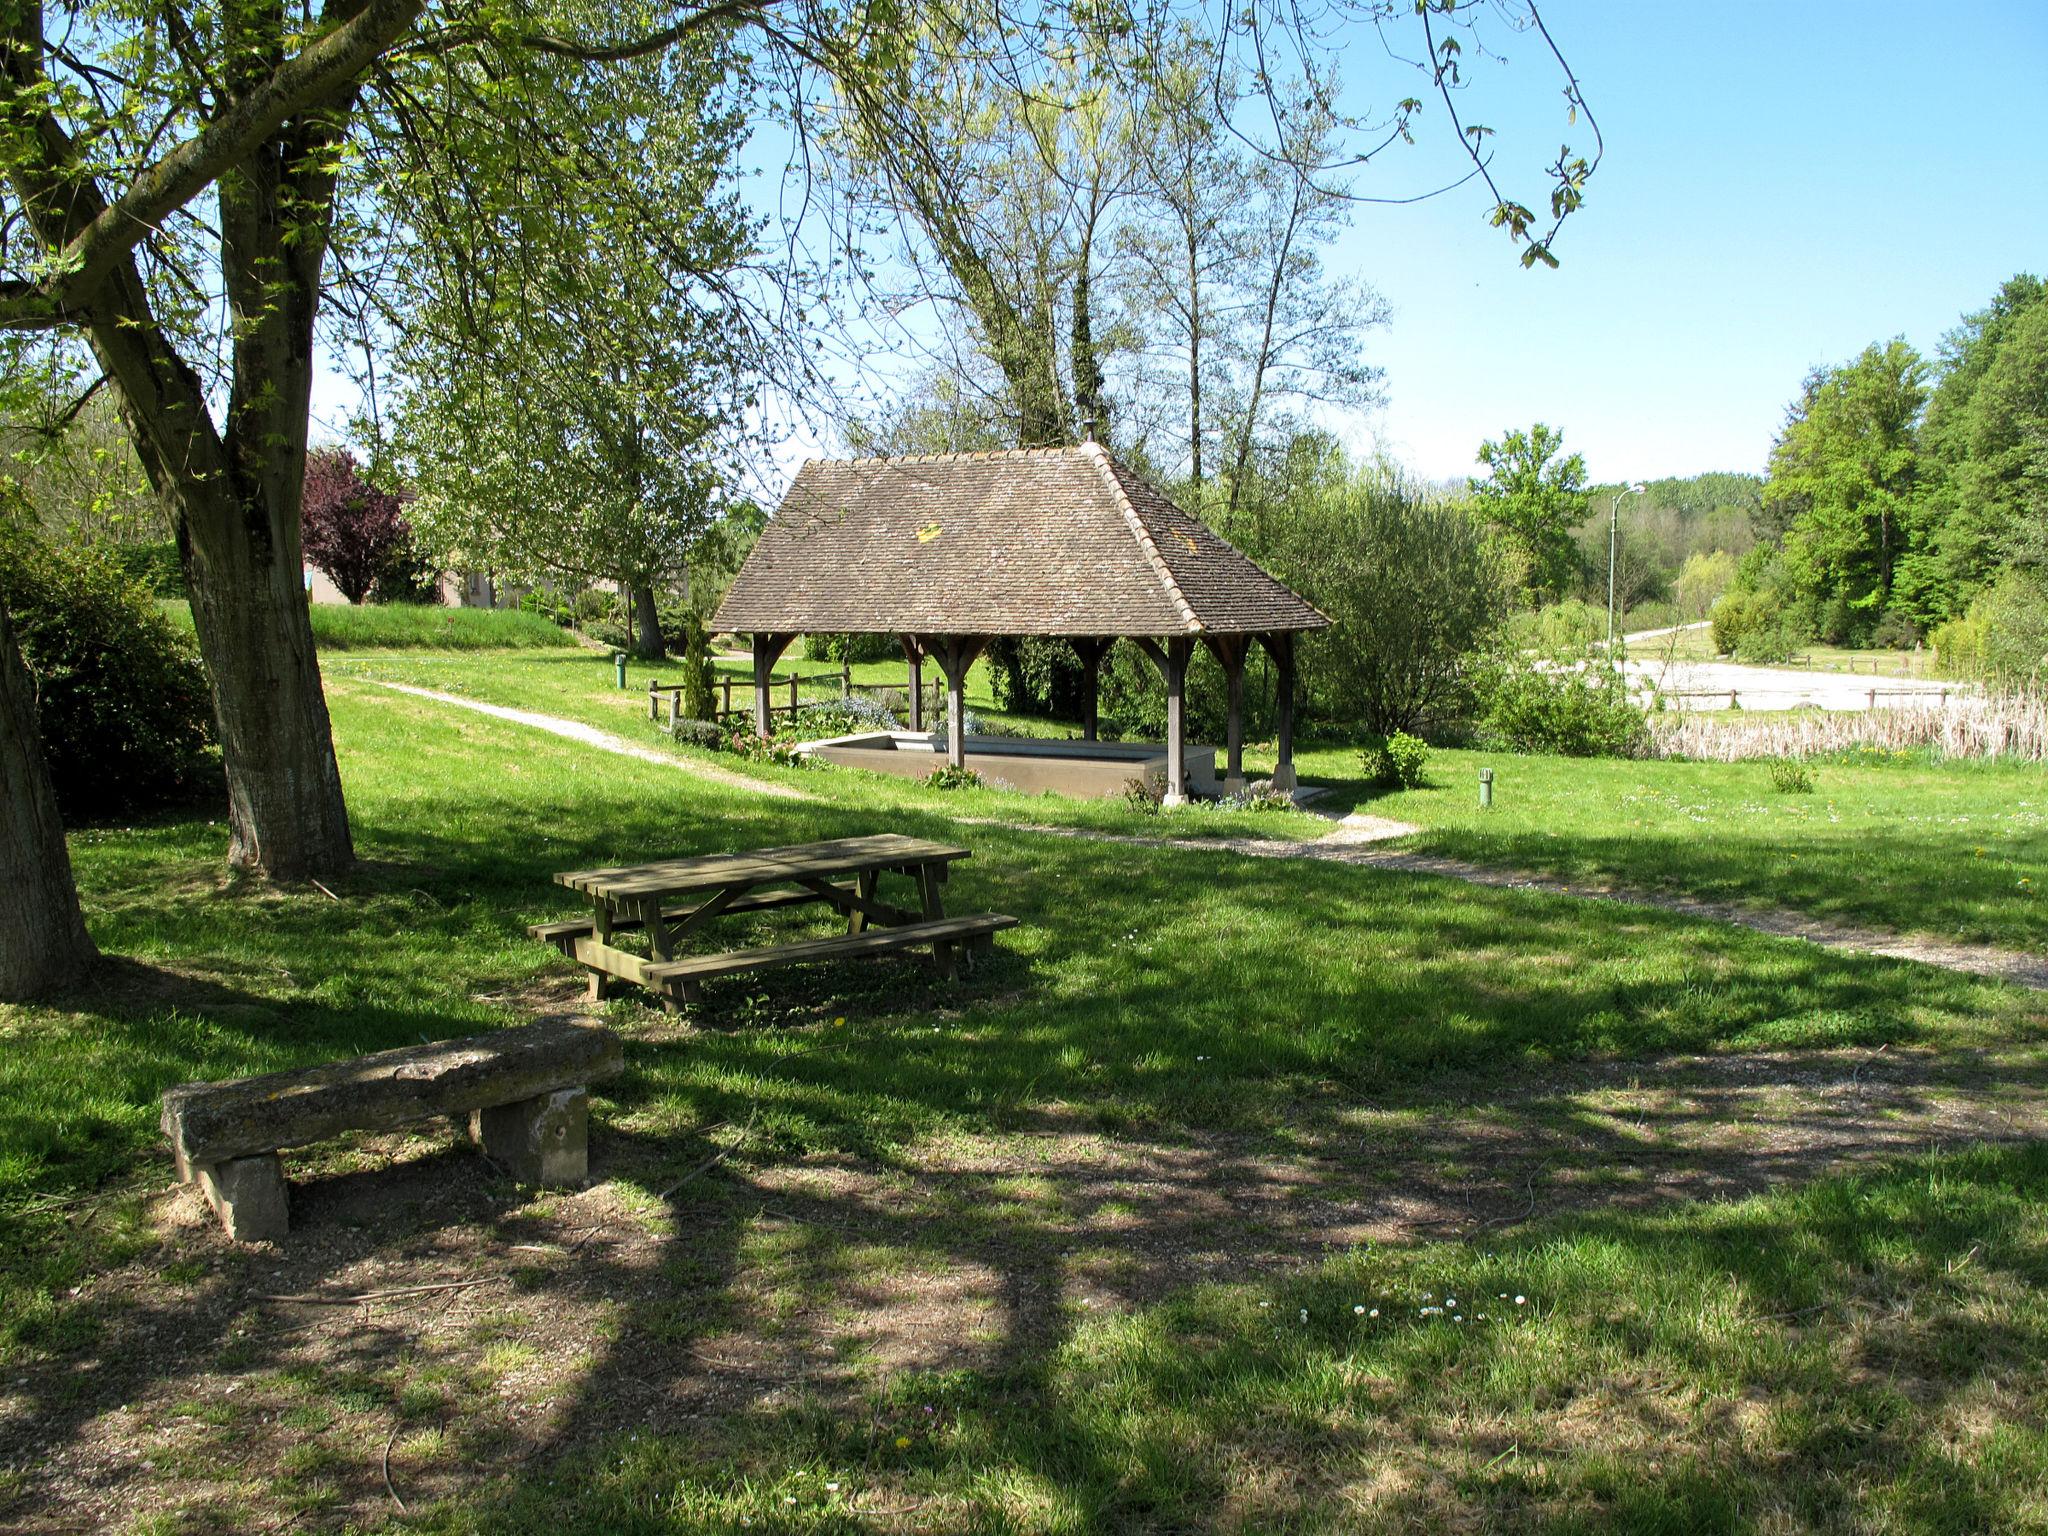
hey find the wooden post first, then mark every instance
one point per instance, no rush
(913, 656)
(767, 649)
(955, 655)
(650, 700)
(1230, 652)
(1178, 650)
(845, 679)
(1090, 650)
(1281, 647)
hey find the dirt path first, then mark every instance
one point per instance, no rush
(1355, 840)
(604, 741)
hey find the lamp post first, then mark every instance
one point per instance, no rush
(1613, 535)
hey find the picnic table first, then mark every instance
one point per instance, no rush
(672, 898)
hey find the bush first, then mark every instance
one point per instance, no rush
(1893, 631)
(1580, 710)
(1789, 776)
(1394, 762)
(2014, 610)
(1414, 586)
(155, 567)
(127, 722)
(1036, 675)
(1760, 626)
(845, 717)
(852, 648)
(947, 776)
(1260, 798)
(693, 732)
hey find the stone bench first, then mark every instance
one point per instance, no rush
(524, 1091)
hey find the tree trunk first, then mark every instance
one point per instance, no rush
(234, 496)
(43, 943)
(646, 625)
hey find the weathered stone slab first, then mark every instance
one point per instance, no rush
(545, 1140)
(212, 1123)
(249, 1195)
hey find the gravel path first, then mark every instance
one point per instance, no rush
(604, 741)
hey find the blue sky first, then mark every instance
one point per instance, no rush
(1784, 183)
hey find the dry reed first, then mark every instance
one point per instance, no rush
(2006, 726)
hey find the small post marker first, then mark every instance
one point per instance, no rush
(619, 666)
(1485, 788)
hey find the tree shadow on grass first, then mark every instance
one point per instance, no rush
(1191, 1067)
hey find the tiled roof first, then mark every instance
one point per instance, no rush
(1036, 541)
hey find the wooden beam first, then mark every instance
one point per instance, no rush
(1230, 654)
(1281, 647)
(1090, 649)
(1178, 650)
(913, 654)
(955, 655)
(768, 649)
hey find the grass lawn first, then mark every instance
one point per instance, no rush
(416, 627)
(1955, 850)
(1079, 1245)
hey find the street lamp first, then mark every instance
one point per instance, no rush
(1613, 534)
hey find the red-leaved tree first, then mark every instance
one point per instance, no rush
(351, 528)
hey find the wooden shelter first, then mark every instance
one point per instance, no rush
(949, 551)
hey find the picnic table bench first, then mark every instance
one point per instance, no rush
(524, 1090)
(844, 874)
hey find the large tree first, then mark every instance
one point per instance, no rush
(574, 376)
(177, 174)
(1533, 495)
(1844, 471)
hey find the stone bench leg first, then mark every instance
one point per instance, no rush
(545, 1140)
(248, 1193)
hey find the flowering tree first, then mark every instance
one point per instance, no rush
(351, 528)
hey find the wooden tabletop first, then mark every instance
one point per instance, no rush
(760, 866)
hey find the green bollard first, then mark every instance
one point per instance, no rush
(1485, 788)
(619, 664)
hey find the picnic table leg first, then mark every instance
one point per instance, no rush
(945, 954)
(864, 888)
(601, 930)
(659, 944)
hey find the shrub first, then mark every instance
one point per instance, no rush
(353, 530)
(2014, 610)
(1576, 710)
(780, 750)
(946, 776)
(1394, 762)
(1036, 675)
(699, 683)
(694, 732)
(1959, 645)
(1893, 631)
(127, 723)
(1790, 776)
(1260, 798)
(155, 566)
(1145, 795)
(1415, 587)
(845, 717)
(852, 648)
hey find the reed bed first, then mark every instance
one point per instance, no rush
(2010, 726)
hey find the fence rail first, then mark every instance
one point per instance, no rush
(725, 685)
